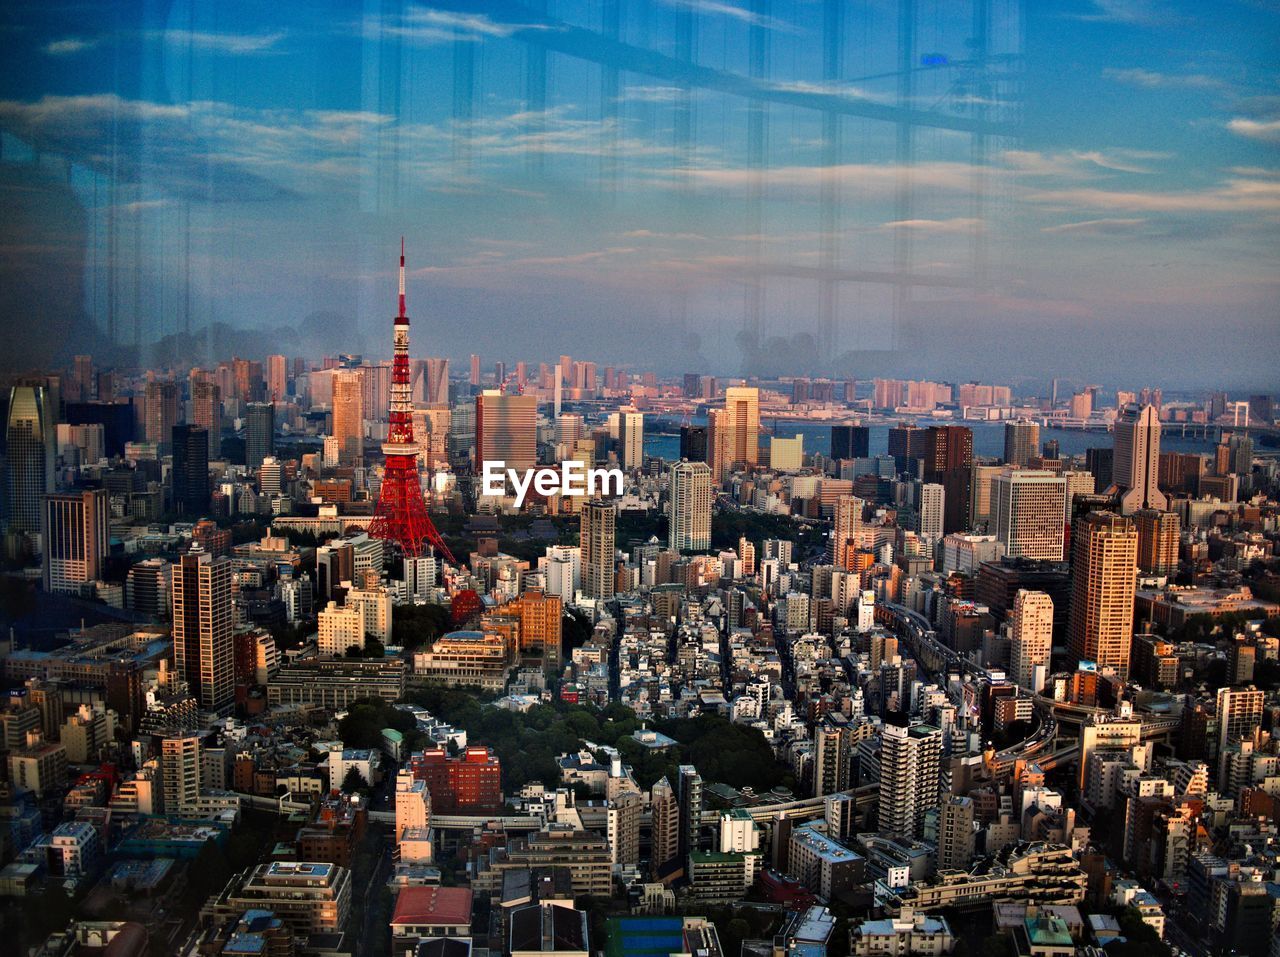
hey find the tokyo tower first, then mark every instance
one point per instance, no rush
(402, 514)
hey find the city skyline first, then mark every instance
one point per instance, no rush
(698, 185)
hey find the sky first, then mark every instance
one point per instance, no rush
(1086, 189)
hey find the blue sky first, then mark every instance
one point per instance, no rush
(1085, 189)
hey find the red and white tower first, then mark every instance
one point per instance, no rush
(402, 513)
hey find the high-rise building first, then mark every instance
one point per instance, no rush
(203, 646)
(28, 466)
(348, 416)
(506, 430)
(906, 442)
(277, 378)
(1028, 513)
(259, 433)
(666, 827)
(910, 774)
(1104, 574)
(929, 514)
(1136, 461)
(180, 773)
(437, 388)
(830, 757)
(733, 435)
(691, 502)
(75, 538)
(191, 486)
(627, 431)
(161, 405)
(1158, 534)
(850, 442)
(955, 833)
(1021, 442)
(1031, 638)
(693, 443)
(846, 520)
(948, 461)
(597, 539)
(206, 412)
(689, 794)
(1239, 714)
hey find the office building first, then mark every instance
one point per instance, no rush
(76, 542)
(339, 628)
(348, 416)
(259, 433)
(1028, 509)
(733, 433)
(206, 412)
(1104, 570)
(948, 461)
(1136, 460)
(846, 520)
(506, 430)
(1239, 715)
(1158, 536)
(334, 683)
(161, 408)
(1021, 442)
(910, 768)
(929, 515)
(1031, 638)
(277, 378)
(693, 443)
(191, 485)
(597, 540)
(627, 431)
(691, 503)
(203, 646)
(312, 898)
(850, 442)
(786, 455)
(30, 437)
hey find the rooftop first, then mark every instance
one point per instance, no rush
(432, 905)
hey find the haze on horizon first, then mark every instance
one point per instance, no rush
(1085, 189)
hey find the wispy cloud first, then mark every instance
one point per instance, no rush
(1135, 12)
(70, 46)
(733, 12)
(1097, 227)
(962, 225)
(428, 25)
(1152, 80)
(1235, 195)
(1075, 164)
(1268, 131)
(234, 44)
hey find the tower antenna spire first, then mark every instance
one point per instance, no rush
(402, 314)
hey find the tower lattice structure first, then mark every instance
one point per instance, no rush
(402, 516)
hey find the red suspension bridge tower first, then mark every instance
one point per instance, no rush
(402, 513)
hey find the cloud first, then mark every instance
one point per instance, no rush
(1133, 12)
(652, 94)
(1078, 163)
(963, 225)
(1236, 195)
(70, 46)
(235, 44)
(1151, 80)
(867, 178)
(1268, 131)
(733, 12)
(427, 25)
(1097, 227)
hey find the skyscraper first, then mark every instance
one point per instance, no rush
(627, 431)
(437, 390)
(733, 436)
(1028, 513)
(206, 412)
(1021, 442)
(689, 794)
(846, 519)
(506, 430)
(28, 467)
(259, 432)
(75, 538)
(1239, 714)
(910, 770)
(1158, 535)
(203, 646)
(180, 773)
(475, 370)
(348, 416)
(850, 441)
(666, 827)
(948, 461)
(598, 543)
(691, 502)
(1031, 634)
(277, 378)
(1136, 463)
(693, 443)
(161, 406)
(929, 514)
(1104, 575)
